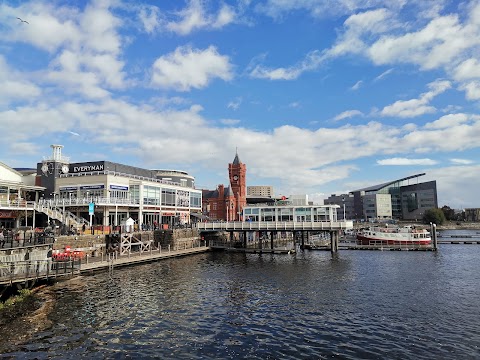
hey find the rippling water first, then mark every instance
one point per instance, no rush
(359, 304)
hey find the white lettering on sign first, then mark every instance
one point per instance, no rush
(88, 168)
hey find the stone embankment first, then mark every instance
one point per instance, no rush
(175, 238)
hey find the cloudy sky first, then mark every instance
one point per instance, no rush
(318, 96)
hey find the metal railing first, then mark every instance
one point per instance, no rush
(275, 225)
(115, 173)
(18, 271)
(21, 239)
(17, 204)
(59, 213)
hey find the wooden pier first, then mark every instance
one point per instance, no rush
(113, 261)
(26, 273)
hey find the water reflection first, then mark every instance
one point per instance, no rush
(356, 304)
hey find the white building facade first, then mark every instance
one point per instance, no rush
(117, 192)
(292, 213)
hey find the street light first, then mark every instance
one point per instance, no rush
(343, 200)
(54, 197)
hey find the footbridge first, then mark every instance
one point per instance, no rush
(243, 231)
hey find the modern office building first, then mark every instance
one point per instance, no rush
(408, 201)
(345, 202)
(260, 190)
(472, 214)
(377, 206)
(108, 193)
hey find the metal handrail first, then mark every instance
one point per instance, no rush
(15, 271)
(276, 225)
(22, 204)
(132, 176)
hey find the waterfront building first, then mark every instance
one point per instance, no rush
(377, 206)
(346, 208)
(296, 199)
(408, 201)
(109, 193)
(227, 203)
(417, 198)
(289, 212)
(472, 214)
(18, 193)
(260, 190)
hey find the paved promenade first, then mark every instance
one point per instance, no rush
(106, 263)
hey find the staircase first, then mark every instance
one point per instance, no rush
(67, 217)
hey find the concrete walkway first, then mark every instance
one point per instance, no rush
(99, 264)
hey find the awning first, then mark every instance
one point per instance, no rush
(199, 216)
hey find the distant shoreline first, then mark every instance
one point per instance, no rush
(452, 225)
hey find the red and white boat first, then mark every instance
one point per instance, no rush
(407, 235)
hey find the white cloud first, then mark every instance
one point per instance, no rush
(357, 85)
(311, 62)
(188, 138)
(370, 22)
(472, 90)
(15, 85)
(235, 104)
(188, 68)
(456, 185)
(229, 121)
(150, 18)
(322, 8)
(462, 161)
(416, 107)
(367, 24)
(444, 42)
(383, 75)
(225, 16)
(49, 28)
(85, 46)
(405, 161)
(348, 114)
(448, 121)
(194, 17)
(469, 69)
(294, 105)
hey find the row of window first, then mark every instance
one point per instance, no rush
(152, 195)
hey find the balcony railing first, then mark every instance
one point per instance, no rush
(275, 225)
(115, 173)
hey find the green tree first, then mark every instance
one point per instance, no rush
(448, 212)
(434, 215)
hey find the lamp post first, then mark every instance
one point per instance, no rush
(343, 200)
(54, 197)
(228, 211)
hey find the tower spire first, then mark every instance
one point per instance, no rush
(236, 161)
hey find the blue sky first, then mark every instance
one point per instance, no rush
(318, 96)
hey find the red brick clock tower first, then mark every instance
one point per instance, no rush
(237, 172)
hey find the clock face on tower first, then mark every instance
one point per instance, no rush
(47, 168)
(235, 177)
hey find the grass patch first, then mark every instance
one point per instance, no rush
(17, 305)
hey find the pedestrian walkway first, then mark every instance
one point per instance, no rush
(108, 262)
